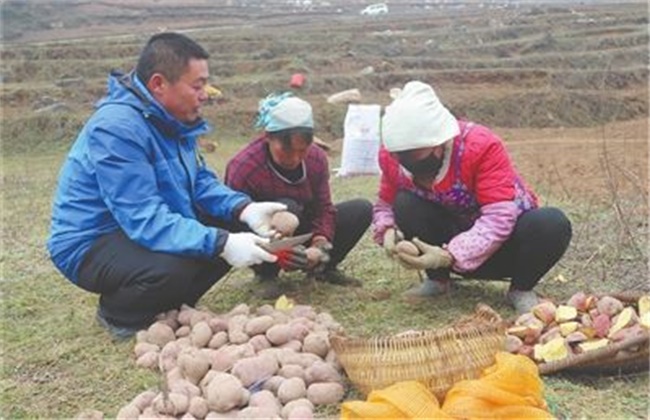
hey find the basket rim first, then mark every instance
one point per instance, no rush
(483, 321)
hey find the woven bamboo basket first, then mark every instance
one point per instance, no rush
(632, 355)
(437, 358)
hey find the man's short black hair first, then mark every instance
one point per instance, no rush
(168, 53)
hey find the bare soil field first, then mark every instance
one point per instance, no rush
(564, 83)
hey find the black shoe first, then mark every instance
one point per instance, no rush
(267, 287)
(119, 333)
(337, 277)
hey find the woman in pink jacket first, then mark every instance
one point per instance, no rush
(451, 188)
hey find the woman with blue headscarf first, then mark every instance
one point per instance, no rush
(283, 165)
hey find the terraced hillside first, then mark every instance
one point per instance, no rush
(525, 66)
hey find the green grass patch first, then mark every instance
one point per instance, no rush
(58, 361)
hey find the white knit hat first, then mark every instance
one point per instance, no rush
(417, 118)
(280, 113)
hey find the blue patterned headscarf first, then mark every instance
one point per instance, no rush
(282, 111)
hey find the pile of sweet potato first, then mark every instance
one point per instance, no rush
(552, 332)
(267, 363)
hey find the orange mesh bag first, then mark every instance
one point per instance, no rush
(403, 400)
(509, 389)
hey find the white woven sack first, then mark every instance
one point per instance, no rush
(361, 141)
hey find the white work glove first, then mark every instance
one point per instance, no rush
(242, 250)
(258, 216)
(431, 257)
(391, 237)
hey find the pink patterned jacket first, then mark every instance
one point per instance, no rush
(477, 182)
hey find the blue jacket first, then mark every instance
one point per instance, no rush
(136, 168)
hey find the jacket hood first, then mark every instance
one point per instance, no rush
(127, 89)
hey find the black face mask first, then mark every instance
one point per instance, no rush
(429, 166)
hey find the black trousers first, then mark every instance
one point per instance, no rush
(135, 284)
(538, 241)
(353, 218)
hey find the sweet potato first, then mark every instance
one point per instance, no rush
(142, 348)
(185, 314)
(199, 316)
(565, 313)
(601, 324)
(258, 413)
(273, 383)
(201, 334)
(236, 333)
(144, 399)
(325, 393)
(291, 389)
(576, 337)
(225, 392)
(294, 345)
(169, 355)
(568, 327)
(128, 412)
(644, 305)
(550, 334)
(593, 344)
(193, 364)
(582, 302)
(644, 320)
(265, 399)
(545, 311)
(321, 372)
(333, 359)
(170, 318)
(526, 350)
(251, 370)
(528, 334)
(259, 342)
(160, 334)
(279, 334)
(285, 223)
(513, 343)
(149, 360)
(624, 319)
(185, 387)
(292, 405)
(198, 407)
(299, 329)
(609, 306)
(218, 324)
(183, 331)
(265, 309)
(627, 333)
(173, 404)
(408, 248)
(301, 412)
(292, 371)
(555, 349)
(528, 319)
(218, 340)
(316, 343)
(258, 325)
(288, 356)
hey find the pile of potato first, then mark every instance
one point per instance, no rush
(586, 322)
(267, 363)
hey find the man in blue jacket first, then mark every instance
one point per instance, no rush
(134, 197)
